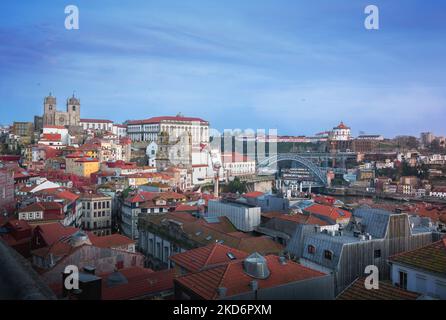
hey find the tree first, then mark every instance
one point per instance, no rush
(236, 186)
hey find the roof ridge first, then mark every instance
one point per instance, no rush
(224, 275)
(211, 253)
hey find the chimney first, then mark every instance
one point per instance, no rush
(90, 270)
(282, 261)
(254, 285)
(222, 292)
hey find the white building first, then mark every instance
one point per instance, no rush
(55, 135)
(340, 133)
(244, 217)
(149, 129)
(96, 213)
(97, 124)
(119, 130)
(422, 270)
(235, 164)
(151, 151)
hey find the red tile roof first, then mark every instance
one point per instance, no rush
(42, 206)
(342, 126)
(75, 155)
(254, 194)
(141, 283)
(231, 276)
(18, 224)
(204, 257)
(296, 218)
(111, 241)
(386, 291)
(330, 212)
(430, 258)
(83, 160)
(51, 136)
(262, 244)
(53, 232)
(185, 207)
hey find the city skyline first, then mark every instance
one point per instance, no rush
(300, 70)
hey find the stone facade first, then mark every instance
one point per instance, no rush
(53, 117)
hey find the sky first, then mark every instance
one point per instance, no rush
(299, 67)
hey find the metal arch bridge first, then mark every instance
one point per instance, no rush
(318, 172)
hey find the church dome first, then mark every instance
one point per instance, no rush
(50, 99)
(73, 100)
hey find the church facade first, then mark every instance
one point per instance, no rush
(53, 117)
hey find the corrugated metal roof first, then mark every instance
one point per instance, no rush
(323, 242)
(374, 221)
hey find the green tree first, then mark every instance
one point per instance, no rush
(236, 186)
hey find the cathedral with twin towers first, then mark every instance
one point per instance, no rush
(52, 117)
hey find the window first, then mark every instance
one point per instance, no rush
(311, 249)
(231, 256)
(377, 254)
(403, 280)
(328, 254)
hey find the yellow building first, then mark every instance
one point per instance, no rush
(84, 167)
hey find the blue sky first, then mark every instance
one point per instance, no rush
(298, 66)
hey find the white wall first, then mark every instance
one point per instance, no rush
(420, 281)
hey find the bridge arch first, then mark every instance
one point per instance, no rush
(314, 169)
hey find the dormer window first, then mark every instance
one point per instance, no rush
(328, 255)
(311, 249)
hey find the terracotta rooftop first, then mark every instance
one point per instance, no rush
(201, 258)
(386, 291)
(111, 241)
(140, 284)
(51, 137)
(42, 206)
(254, 194)
(185, 207)
(330, 212)
(430, 258)
(296, 218)
(52, 232)
(232, 276)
